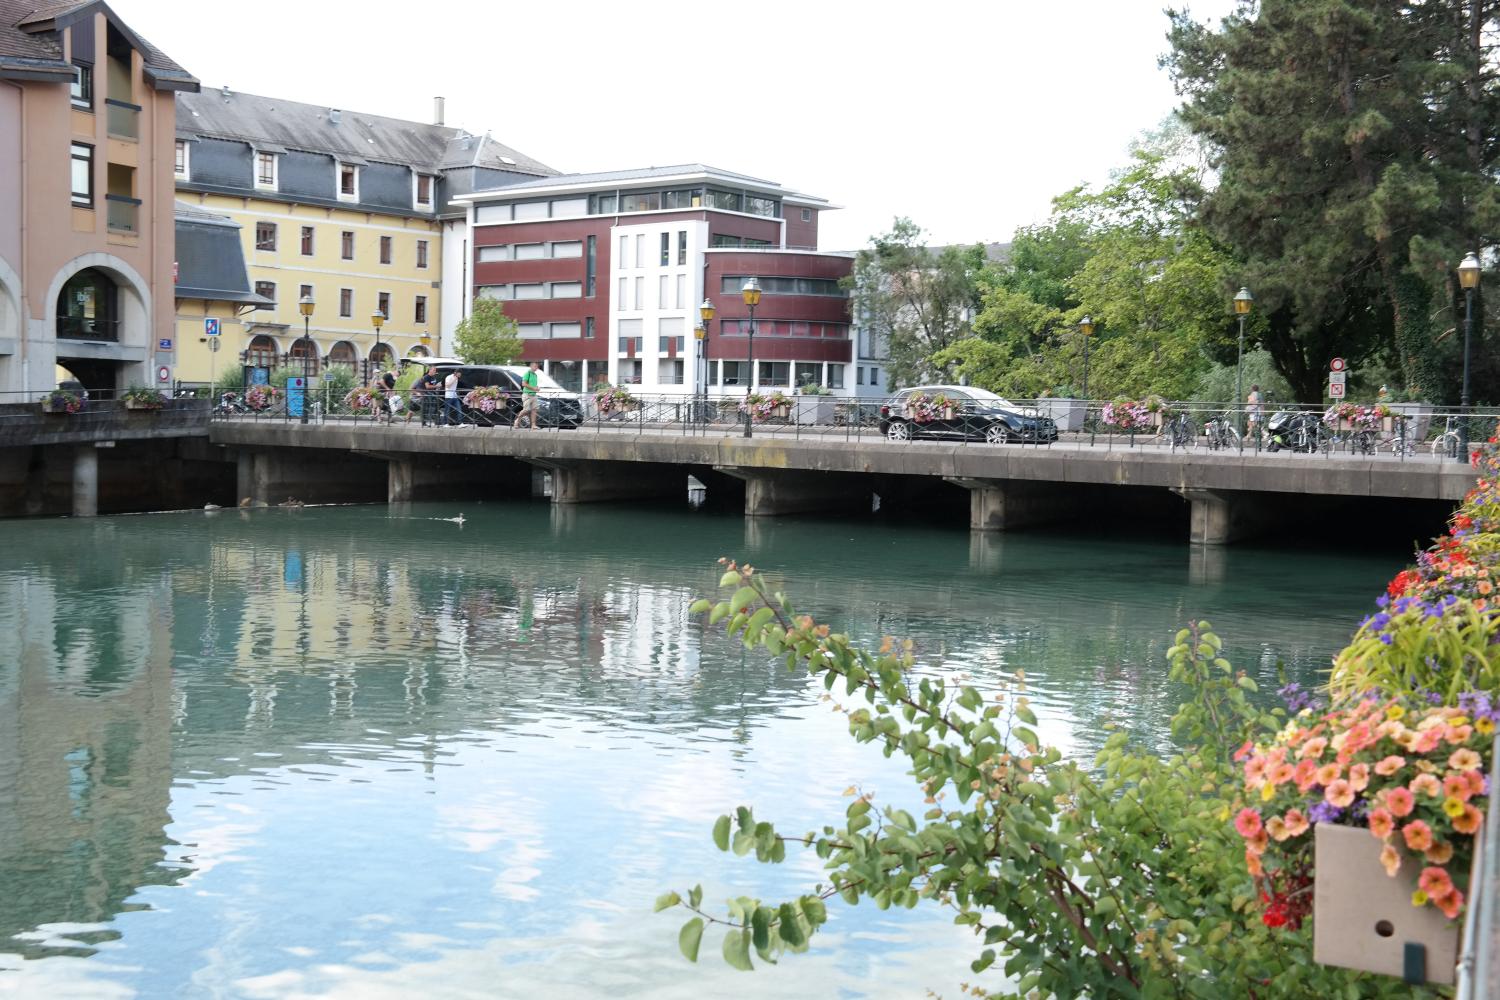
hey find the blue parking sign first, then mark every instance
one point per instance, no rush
(210, 326)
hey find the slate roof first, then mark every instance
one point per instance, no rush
(211, 258)
(625, 177)
(31, 41)
(356, 136)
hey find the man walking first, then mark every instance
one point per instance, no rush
(452, 415)
(431, 386)
(529, 386)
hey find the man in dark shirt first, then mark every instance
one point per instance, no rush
(431, 385)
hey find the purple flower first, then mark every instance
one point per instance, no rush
(1386, 638)
(1382, 601)
(1380, 621)
(1324, 812)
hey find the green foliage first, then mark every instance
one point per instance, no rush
(487, 336)
(1217, 384)
(1121, 880)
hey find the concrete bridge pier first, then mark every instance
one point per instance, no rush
(1220, 518)
(775, 492)
(589, 481)
(1002, 505)
(85, 481)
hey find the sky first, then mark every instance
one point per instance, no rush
(966, 117)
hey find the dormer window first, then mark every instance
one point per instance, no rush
(348, 182)
(83, 86)
(265, 170)
(424, 191)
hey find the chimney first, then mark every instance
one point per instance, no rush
(224, 91)
(437, 111)
(334, 115)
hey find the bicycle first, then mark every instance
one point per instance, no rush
(1220, 433)
(1179, 431)
(1446, 443)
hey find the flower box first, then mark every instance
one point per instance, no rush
(948, 413)
(1067, 413)
(781, 412)
(50, 407)
(141, 404)
(1363, 919)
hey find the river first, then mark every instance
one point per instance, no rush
(367, 752)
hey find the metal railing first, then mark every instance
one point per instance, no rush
(1296, 433)
(123, 212)
(122, 118)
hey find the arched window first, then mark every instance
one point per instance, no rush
(261, 353)
(301, 349)
(87, 307)
(419, 352)
(343, 356)
(382, 356)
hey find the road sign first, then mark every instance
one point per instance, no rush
(1337, 377)
(1335, 390)
(328, 376)
(213, 345)
(210, 326)
(1337, 364)
(164, 344)
(163, 374)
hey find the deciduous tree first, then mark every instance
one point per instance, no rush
(487, 336)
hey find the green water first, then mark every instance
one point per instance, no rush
(363, 752)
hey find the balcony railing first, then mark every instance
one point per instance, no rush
(123, 213)
(79, 328)
(122, 118)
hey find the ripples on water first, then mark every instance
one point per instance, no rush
(359, 752)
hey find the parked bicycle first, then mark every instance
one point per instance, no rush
(1446, 443)
(1220, 434)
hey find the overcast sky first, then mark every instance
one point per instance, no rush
(968, 117)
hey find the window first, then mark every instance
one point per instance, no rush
(265, 169)
(532, 290)
(531, 331)
(760, 206)
(268, 289)
(569, 206)
(624, 251)
(624, 296)
(682, 246)
(733, 372)
(530, 210)
(726, 200)
(640, 293)
(835, 376)
(83, 86)
(874, 376)
(497, 292)
(346, 302)
(567, 290)
(489, 255)
(669, 371)
(566, 331)
(590, 267)
(422, 253)
(348, 181)
(775, 372)
(665, 345)
(588, 325)
(531, 251)
(807, 215)
(808, 373)
(491, 213)
(180, 164)
(265, 236)
(346, 245)
(640, 202)
(859, 375)
(83, 175)
(424, 189)
(682, 291)
(307, 241)
(732, 283)
(666, 249)
(385, 249)
(568, 249)
(601, 204)
(383, 303)
(420, 315)
(640, 250)
(661, 292)
(304, 292)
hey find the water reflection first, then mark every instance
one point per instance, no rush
(337, 751)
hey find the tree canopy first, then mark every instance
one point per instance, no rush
(487, 336)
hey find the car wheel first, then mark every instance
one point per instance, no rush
(898, 431)
(997, 434)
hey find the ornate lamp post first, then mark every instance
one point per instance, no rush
(700, 334)
(377, 320)
(305, 307)
(1468, 277)
(1086, 327)
(1242, 303)
(750, 292)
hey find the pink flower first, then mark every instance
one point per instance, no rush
(1450, 904)
(1391, 858)
(1247, 823)
(1296, 823)
(1339, 793)
(1313, 748)
(1305, 774)
(1417, 834)
(1255, 771)
(1464, 760)
(1359, 777)
(1426, 784)
(1329, 773)
(1381, 823)
(1435, 882)
(1390, 765)
(1399, 801)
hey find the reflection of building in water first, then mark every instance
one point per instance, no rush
(85, 751)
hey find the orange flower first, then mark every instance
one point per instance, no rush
(1464, 760)
(1340, 793)
(1417, 834)
(1257, 843)
(1359, 777)
(1312, 748)
(1276, 829)
(1451, 904)
(1435, 882)
(1296, 823)
(1399, 801)
(1247, 823)
(1476, 782)
(1281, 774)
(1485, 586)
(1391, 858)
(1305, 774)
(1390, 765)
(1252, 863)
(1426, 784)
(1440, 853)
(1456, 786)
(1459, 735)
(1381, 823)
(1328, 774)
(1469, 821)
(1255, 771)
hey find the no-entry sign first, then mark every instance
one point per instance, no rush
(1337, 364)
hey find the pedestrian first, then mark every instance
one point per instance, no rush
(431, 401)
(414, 397)
(452, 414)
(1252, 408)
(529, 386)
(392, 398)
(377, 396)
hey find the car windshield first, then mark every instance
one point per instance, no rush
(989, 399)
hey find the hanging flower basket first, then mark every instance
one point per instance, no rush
(1136, 414)
(61, 402)
(1356, 417)
(362, 399)
(763, 407)
(261, 397)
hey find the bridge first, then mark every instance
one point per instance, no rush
(1230, 494)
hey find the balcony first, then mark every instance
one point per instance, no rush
(124, 213)
(123, 119)
(81, 328)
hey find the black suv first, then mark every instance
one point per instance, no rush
(556, 406)
(976, 415)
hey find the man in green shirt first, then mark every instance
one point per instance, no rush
(528, 397)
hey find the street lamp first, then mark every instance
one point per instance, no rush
(1468, 277)
(305, 307)
(377, 320)
(700, 334)
(1086, 327)
(750, 292)
(1242, 303)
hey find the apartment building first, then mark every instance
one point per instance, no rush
(606, 274)
(346, 209)
(86, 210)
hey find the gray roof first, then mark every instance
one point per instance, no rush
(210, 258)
(31, 42)
(355, 136)
(626, 177)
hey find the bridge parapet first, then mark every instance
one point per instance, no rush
(24, 424)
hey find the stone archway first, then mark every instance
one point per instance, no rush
(343, 355)
(128, 356)
(303, 358)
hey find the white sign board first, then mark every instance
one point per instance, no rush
(1335, 390)
(1337, 378)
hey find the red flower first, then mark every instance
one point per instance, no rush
(1401, 583)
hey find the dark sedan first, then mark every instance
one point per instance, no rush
(962, 413)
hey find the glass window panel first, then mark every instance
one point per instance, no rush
(567, 289)
(570, 206)
(567, 331)
(567, 249)
(531, 331)
(530, 251)
(490, 254)
(501, 292)
(527, 291)
(531, 210)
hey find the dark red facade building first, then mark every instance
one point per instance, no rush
(606, 275)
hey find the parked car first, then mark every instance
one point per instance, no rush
(556, 406)
(976, 416)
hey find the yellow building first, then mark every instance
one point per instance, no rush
(340, 207)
